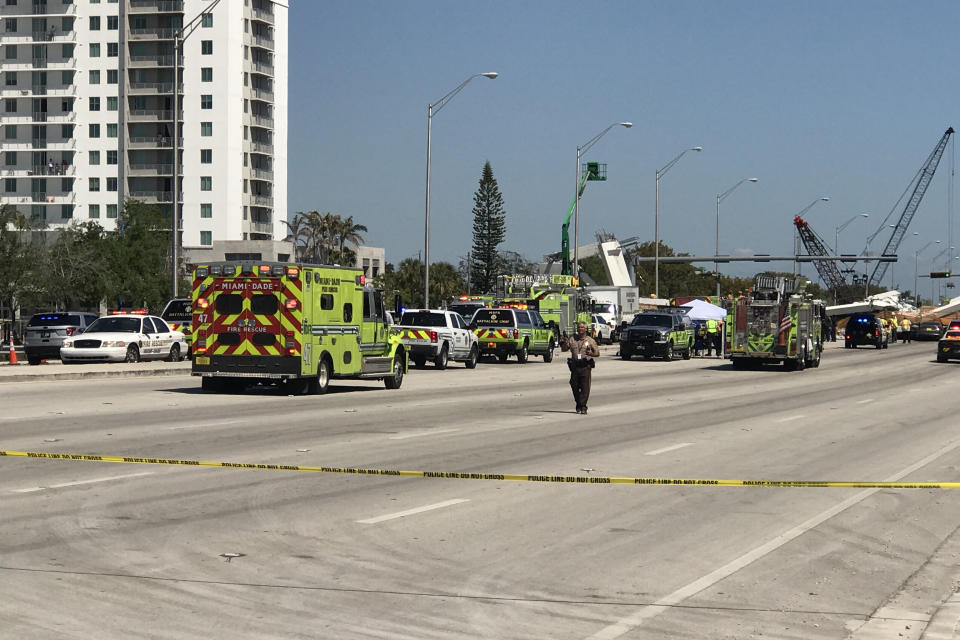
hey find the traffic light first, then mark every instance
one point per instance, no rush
(939, 274)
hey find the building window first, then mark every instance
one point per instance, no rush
(112, 157)
(10, 105)
(113, 49)
(111, 211)
(66, 77)
(93, 130)
(10, 185)
(113, 103)
(206, 183)
(207, 20)
(206, 74)
(66, 211)
(113, 23)
(244, 212)
(206, 238)
(10, 25)
(206, 129)
(206, 47)
(246, 79)
(93, 184)
(206, 210)
(94, 23)
(111, 183)
(206, 156)
(206, 102)
(112, 130)
(94, 76)
(66, 184)
(11, 52)
(10, 158)
(94, 49)
(93, 157)
(245, 158)
(10, 131)
(93, 211)
(66, 131)
(10, 78)
(112, 76)
(94, 103)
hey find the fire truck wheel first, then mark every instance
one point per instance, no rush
(548, 356)
(801, 360)
(209, 384)
(394, 381)
(523, 354)
(816, 360)
(443, 358)
(174, 354)
(133, 354)
(321, 383)
(474, 357)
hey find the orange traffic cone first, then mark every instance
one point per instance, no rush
(13, 354)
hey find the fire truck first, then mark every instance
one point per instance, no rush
(294, 325)
(776, 322)
(559, 300)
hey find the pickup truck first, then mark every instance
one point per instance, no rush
(438, 335)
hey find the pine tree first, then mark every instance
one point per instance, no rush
(489, 230)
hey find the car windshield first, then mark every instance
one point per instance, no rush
(54, 320)
(114, 325)
(932, 325)
(177, 310)
(422, 319)
(651, 320)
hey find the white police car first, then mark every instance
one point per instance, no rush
(125, 337)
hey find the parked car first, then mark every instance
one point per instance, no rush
(601, 330)
(865, 328)
(125, 338)
(949, 346)
(46, 332)
(929, 331)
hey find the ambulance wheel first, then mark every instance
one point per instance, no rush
(548, 356)
(523, 354)
(668, 352)
(210, 384)
(471, 362)
(321, 383)
(133, 354)
(394, 381)
(174, 354)
(442, 359)
(419, 362)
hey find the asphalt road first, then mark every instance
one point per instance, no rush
(144, 551)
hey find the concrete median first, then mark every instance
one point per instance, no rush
(56, 370)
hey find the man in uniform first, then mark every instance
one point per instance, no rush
(583, 349)
(713, 337)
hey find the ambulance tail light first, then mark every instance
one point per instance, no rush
(290, 303)
(202, 303)
(516, 334)
(433, 336)
(361, 280)
(289, 344)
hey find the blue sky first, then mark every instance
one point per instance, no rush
(844, 100)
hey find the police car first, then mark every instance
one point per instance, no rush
(125, 337)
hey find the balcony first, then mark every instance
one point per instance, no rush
(263, 15)
(151, 169)
(52, 35)
(263, 174)
(265, 68)
(152, 33)
(152, 196)
(261, 201)
(39, 197)
(261, 227)
(262, 121)
(152, 6)
(151, 88)
(153, 61)
(263, 40)
(151, 142)
(152, 115)
(263, 93)
(262, 147)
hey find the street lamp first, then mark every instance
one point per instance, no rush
(720, 198)
(916, 267)
(656, 222)
(836, 239)
(182, 34)
(582, 149)
(796, 236)
(431, 109)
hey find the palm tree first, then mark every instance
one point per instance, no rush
(347, 231)
(298, 234)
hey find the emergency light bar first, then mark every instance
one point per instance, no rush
(202, 272)
(292, 272)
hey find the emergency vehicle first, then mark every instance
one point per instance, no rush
(125, 337)
(296, 325)
(776, 322)
(557, 298)
(177, 314)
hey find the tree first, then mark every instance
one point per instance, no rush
(138, 257)
(298, 234)
(407, 280)
(18, 257)
(73, 274)
(346, 231)
(489, 230)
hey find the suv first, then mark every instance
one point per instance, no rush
(600, 329)
(505, 332)
(657, 333)
(865, 328)
(46, 331)
(178, 313)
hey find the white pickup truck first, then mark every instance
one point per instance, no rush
(439, 336)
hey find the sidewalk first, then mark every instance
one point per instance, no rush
(55, 370)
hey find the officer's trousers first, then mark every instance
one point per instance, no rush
(580, 385)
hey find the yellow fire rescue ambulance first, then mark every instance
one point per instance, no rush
(290, 324)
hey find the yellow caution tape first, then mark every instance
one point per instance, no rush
(454, 475)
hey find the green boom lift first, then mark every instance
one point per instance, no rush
(591, 171)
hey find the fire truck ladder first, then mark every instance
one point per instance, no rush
(920, 181)
(827, 269)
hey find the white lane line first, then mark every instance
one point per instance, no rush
(410, 512)
(674, 447)
(865, 401)
(420, 434)
(631, 622)
(791, 418)
(81, 482)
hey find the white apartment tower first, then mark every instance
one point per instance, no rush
(87, 116)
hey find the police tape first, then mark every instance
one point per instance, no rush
(511, 477)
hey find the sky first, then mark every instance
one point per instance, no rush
(815, 99)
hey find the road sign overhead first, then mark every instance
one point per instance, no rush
(939, 274)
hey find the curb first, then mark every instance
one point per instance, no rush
(85, 375)
(945, 622)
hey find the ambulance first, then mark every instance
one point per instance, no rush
(294, 325)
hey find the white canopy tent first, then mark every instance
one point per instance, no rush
(701, 310)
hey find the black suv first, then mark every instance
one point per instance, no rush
(865, 328)
(658, 333)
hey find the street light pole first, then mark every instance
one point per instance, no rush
(178, 38)
(916, 268)
(720, 198)
(432, 109)
(796, 236)
(656, 218)
(582, 149)
(836, 239)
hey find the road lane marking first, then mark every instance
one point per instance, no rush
(666, 449)
(82, 482)
(865, 401)
(631, 622)
(410, 512)
(791, 418)
(420, 434)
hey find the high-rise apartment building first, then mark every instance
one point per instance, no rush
(87, 115)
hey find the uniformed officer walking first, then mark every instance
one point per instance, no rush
(582, 350)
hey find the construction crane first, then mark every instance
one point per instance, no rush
(920, 183)
(815, 246)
